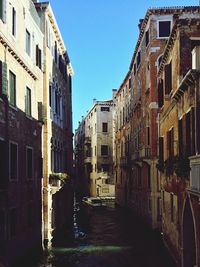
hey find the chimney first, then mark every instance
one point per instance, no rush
(94, 100)
(114, 91)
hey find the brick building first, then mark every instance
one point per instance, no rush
(21, 87)
(179, 141)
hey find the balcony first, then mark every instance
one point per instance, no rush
(195, 174)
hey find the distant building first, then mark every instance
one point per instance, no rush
(21, 91)
(98, 149)
(179, 140)
(56, 112)
(122, 154)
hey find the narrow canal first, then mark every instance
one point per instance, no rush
(108, 237)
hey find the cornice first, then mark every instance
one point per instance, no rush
(6, 44)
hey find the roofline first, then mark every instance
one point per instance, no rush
(47, 7)
(170, 42)
(158, 10)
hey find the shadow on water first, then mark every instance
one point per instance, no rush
(108, 238)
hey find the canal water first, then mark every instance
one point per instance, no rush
(108, 237)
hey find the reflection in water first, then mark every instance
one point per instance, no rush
(108, 238)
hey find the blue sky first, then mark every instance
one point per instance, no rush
(100, 37)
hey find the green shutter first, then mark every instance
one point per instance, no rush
(12, 88)
(4, 79)
(1, 9)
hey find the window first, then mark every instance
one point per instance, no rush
(29, 163)
(28, 102)
(28, 43)
(105, 109)
(55, 52)
(138, 59)
(134, 69)
(105, 167)
(13, 161)
(164, 28)
(104, 150)
(12, 88)
(148, 135)
(147, 37)
(160, 93)
(170, 142)
(3, 10)
(13, 21)
(38, 57)
(3, 163)
(168, 78)
(161, 148)
(104, 127)
(129, 83)
(172, 206)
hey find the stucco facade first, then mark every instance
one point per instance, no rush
(97, 145)
(57, 115)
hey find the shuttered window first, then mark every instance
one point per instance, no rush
(168, 78)
(188, 131)
(161, 148)
(160, 94)
(28, 102)
(180, 137)
(12, 88)
(38, 57)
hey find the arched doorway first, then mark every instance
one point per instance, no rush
(189, 243)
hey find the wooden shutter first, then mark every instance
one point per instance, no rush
(161, 148)
(4, 79)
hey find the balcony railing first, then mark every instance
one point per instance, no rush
(195, 173)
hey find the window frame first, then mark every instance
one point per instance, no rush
(28, 43)
(28, 102)
(9, 94)
(104, 154)
(158, 28)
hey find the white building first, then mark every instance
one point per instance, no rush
(99, 148)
